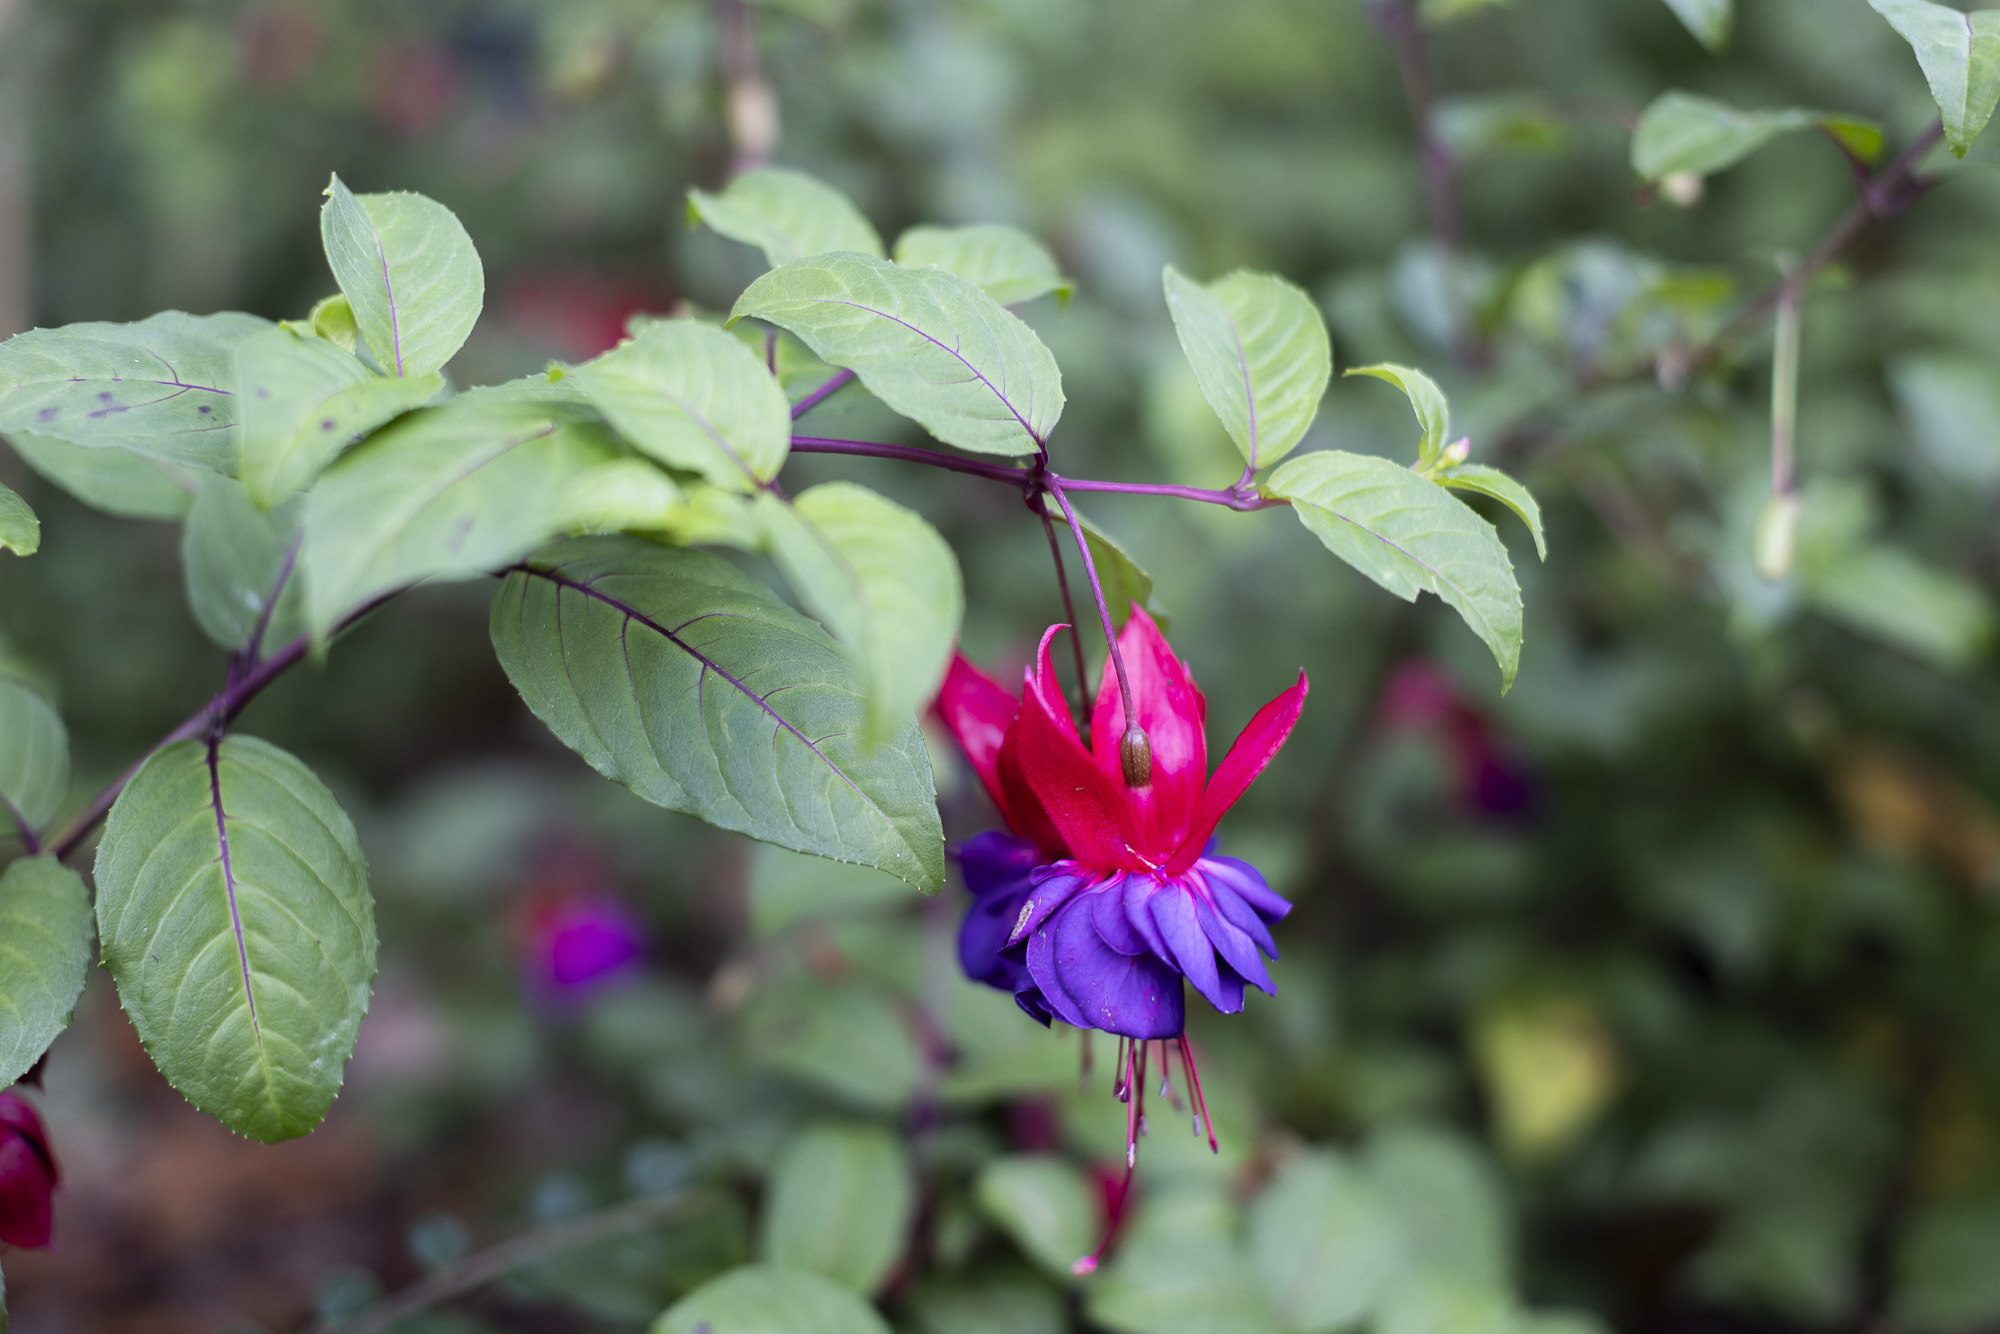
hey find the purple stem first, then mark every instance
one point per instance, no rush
(1103, 607)
(998, 472)
(1069, 613)
(30, 841)
(218, 712)
(821, 394)
(1239, 497)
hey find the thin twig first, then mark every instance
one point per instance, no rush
(1041, 510)
(31, 841)
(479, 1269)
(1103, 608)
(821, 394)
(220, 710)
(752, 105)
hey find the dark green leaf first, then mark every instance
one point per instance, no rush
(1046, 1205)
(116, 481)
(235, 557)
(305, 401)
(693, 397)
(233, 910)
(1260, 352)
(1699, 136)
(411, 276)
(1005, 262)
(695, 686)
(34, 757)
(927, 343)
(839, 1203)
(1410, 536)
(883, 581)
(1960, 56)
(786, 214)
(164, 387)
(1945, 1276)
(44, 953)
(451, 492)
(20, 530)
(765, 1299)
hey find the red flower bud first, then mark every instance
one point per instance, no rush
(28, 1175)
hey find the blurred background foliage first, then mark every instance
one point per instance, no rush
(1664, 991)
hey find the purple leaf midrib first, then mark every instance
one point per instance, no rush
(229, 888)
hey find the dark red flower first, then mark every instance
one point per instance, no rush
(28, 1175)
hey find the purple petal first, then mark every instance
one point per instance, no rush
(1238, 951)
(1052, 887)
(1135, 996)
(1138, 900)
(1173, 913)
(1107, 915)
(1249, 884)
(996, 867)
(1230, 987)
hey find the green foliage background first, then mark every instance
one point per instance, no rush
(1704, 1036)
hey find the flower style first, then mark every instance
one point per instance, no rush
(1105, 895)
(28, 1175)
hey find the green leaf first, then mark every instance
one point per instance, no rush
(164, 387)
(233, 911)
(1045, 1204)
(304, 402)
(1180, 1270)
(764, 1299)
(693, 397)
(1426, 400)
(848, 1041)
(1005, 262)
(786, 214)
(34, 757)
(20, 530)
(623, 494)
(1446, 1200)
(1477, 126)
(44, 954)
(1700, 136)
(1324, 1243)
(695, 686)
(883, 581)
(1960, 56)
(1260, 352)
(451, 492)
(235, 557)
(116, 481)
(839, 1203)
(787, 888)
(1952, 408)
(410, 274)
(1492, 482)
(1709, 20)
(1410, 536)
(927, 343)
(1945, 1276)
(1885, 592)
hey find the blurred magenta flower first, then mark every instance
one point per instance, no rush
(576, 935)
(1421, 698)
(28, 1175)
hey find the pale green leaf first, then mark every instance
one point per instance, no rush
(1699, 136)
(698, 688)
(927, 343)
(1325, 1244)
(34, 757)
(1005, 262)
(164, 387)
(1476, 126)
(1260, 352)
(1437, 13)
(839, 1203)
(1446, 1201)
(1882, 591)
(1952, 408)
(304, 401)
(693, 397)
(623, 494)
(850, 1042)
(236, 557)
(451, 492)
(1960, 56)
(787, 888)
(1410, 536)
(1125, 584)
(1492, 482)
(411, 276)
(1180, 1270)
(1045, 1204)
(1709, 20)
(20, 530)
(44, 954)
(116, 481)
(1426, 400)
(765, 1299)
(715, 517)
(786, 214)
(233, 911)
(883, 581)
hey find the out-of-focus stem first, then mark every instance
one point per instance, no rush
(752, 106)
(1785, 385)
(16, 196)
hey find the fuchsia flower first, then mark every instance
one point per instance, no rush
(28, 1175)
(1107, 893)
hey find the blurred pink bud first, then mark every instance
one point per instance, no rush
(28, 1176)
